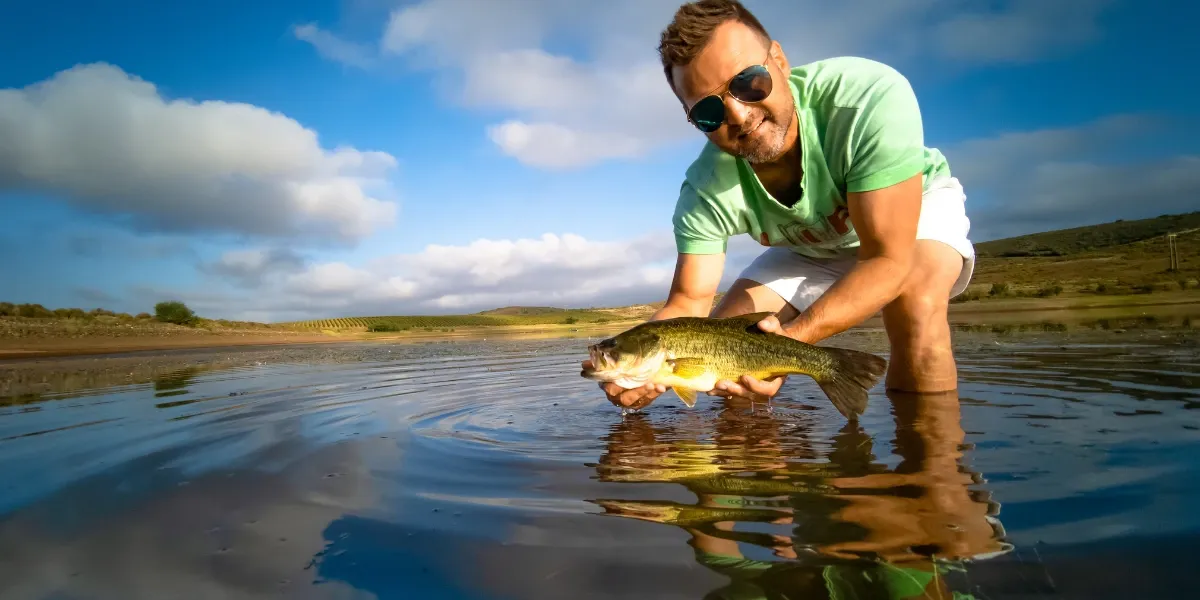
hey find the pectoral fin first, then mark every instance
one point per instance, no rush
(687, 395)
(688, 368)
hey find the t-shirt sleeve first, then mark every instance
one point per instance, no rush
(698, 227)
(888, 142)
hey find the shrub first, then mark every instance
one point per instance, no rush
(998, 290)
(33, 311)
(174, 312)
(1047, 291)
(384, 326)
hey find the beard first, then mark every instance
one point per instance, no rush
(769, 141)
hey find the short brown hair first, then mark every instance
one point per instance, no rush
(693, 26)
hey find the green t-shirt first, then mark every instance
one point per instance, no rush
(859, 129)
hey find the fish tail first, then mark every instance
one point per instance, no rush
(852, 374)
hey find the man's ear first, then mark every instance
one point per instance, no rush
(780, 57)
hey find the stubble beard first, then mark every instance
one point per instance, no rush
(773, 144)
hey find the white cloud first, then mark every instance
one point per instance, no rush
(607, 98)
(249, 268)
(1065, 177)
(108, 142)
(557, 270)
(334, 48)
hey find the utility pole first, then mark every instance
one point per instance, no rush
(1174, 252)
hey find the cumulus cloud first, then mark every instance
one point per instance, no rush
(1064, 177)
(110, 143)
(607, 99)
(559, 270)
(250, 267)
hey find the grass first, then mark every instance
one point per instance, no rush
(1122, 258)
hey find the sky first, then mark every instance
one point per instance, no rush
(286, 160)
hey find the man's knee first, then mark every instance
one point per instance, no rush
(919, 313)
(746, 296)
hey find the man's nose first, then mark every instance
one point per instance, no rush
(736, 113)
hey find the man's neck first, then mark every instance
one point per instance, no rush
(782, 176)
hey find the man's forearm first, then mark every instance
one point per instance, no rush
(869, 286)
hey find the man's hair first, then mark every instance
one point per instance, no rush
(692, 28)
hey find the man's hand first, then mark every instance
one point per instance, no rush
(635, 398)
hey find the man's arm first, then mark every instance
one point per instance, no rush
(693, 287)
(886, 222)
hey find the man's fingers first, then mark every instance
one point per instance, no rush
(727, 389)
(764, 388)
(769, 324)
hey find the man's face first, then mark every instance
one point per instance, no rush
(758, 131)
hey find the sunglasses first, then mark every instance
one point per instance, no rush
(753, 84)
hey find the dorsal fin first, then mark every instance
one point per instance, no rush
(749, 320)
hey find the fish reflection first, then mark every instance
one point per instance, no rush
(784, 515)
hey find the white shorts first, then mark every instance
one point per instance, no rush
(802, 279)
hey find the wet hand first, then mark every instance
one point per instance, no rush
(636, 398)
(748, 388)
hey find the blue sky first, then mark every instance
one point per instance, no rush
(283, 160)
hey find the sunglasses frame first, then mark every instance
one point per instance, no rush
(725, 90)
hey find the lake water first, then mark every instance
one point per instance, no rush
(1067, 466)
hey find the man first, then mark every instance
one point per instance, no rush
(825, 164)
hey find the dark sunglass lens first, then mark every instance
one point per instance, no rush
(708, 114)
(751, 85)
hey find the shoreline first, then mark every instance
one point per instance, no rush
(978, 312)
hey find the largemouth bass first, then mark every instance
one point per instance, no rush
(691, 354)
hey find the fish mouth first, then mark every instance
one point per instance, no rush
(601, 361)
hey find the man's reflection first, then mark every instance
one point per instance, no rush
(784, 515)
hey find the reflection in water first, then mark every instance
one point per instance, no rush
(782, 517)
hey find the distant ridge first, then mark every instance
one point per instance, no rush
(522, 310)
(1063, 242)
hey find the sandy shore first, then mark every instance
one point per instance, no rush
(51, 342)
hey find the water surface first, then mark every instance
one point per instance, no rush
(1064, 467)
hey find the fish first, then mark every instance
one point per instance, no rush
(685, 515)
(691, 354)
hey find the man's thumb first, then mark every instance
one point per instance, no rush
(770, 324)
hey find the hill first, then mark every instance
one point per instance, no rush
(1064, 242)
(526, 311)
(1123, 257)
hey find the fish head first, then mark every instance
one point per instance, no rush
(630, 359)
